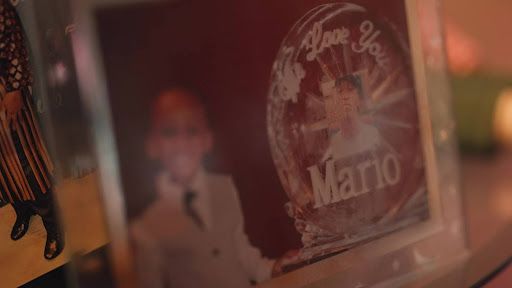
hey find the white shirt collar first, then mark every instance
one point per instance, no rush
(167, 188)
(173, 193)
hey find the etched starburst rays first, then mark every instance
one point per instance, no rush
(376, 90)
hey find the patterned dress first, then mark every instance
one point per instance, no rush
(25, 166)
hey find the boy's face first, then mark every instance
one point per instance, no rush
(349, 97)
(180, 139)
(342, 106)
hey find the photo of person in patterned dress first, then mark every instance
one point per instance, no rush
(25, 165)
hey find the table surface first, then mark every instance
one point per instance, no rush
(487, 194)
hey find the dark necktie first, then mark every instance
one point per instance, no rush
(191, 212)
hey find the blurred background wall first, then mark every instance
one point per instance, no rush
(478, 47)
(479, 33)
(489, 23)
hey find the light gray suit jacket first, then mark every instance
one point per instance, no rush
(172, 251)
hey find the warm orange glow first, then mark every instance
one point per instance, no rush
(462, 50)
(503, 118)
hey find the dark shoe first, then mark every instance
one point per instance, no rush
(21, 225)
(54, 237)
(54, 245)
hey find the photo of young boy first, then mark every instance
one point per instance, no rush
(201, 210)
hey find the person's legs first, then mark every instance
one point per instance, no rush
(45, 208)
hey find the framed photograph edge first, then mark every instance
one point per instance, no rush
(94, 85)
